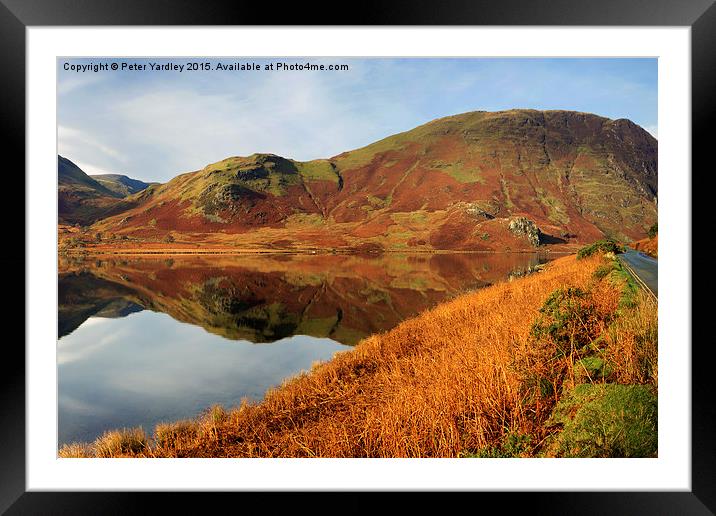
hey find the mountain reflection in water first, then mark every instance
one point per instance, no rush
(265, 298)
(149, 340)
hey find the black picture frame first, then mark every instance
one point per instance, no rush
(17, 15)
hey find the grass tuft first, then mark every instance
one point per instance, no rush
(119, 443)
(76, 451)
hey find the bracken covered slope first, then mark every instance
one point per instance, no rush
(461, 182)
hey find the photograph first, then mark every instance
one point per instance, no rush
(357, 257)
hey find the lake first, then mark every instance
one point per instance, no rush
(152, 339)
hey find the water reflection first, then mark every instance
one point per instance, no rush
(147, 368)
(268, 298)
(149, 340)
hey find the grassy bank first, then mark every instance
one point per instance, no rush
(558, 363)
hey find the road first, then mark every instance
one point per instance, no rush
(645, 267)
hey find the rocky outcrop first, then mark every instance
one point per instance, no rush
(524, 227)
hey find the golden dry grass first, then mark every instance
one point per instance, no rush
(456, 379)
(632, 343)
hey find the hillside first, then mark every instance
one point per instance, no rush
(81, 199)
(480, 181)
(121, 185)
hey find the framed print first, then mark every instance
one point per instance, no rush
(417, 253)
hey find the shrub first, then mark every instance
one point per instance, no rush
(600, 246)
(169, 239)
(604, 270)
(653, 230)
(567, 318)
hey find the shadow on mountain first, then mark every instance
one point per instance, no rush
(545, 239)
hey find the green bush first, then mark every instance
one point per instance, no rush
(606, 420)
(600, 246)
(603, 271)
(567, 318)
(653, 230)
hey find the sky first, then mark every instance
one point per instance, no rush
(155, 124)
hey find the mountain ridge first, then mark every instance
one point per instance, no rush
(81, 199)
(121, 184)
(457, 182)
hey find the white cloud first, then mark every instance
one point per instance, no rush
(93, 170)
(300, 116)
(153, 127)
(70, 140)
(67, 84)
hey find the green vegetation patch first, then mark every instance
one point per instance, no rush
(653, 230)
(617, 274)
(317, 327)
(513, 445)
(458, 171)
(605, 269)
(317, 170)
(569, 319)
(348, 336)
(412, 217)
(365, 155)
(606, 420)
(629, 288)
(306, 219)
(379, 202)
(556, 210)
(600, 246)
(222, 183)
(591, 369)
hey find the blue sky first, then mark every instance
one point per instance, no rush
(154, 125)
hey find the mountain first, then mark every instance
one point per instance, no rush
(121, 185)
(481, 180)
(81, 199)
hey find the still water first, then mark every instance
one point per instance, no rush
(149, 340)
